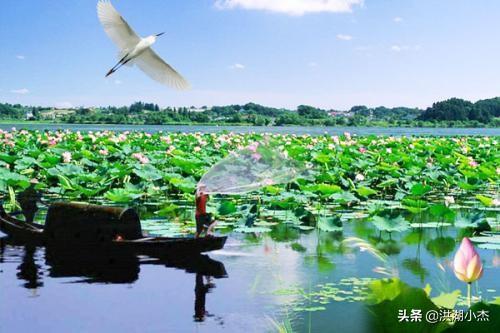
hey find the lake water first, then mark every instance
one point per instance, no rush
(308, 278)
(299, 130)
(242, 288)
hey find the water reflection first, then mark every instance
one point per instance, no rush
(90, 265)
(28, 270)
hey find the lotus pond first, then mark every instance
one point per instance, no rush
(367, 236)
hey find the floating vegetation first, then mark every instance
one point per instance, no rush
(487, 240)
(346, 290)
(390, 182)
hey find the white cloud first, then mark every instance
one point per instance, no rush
(237, 66)
(64, 105)
(398, 19)
(20, 57)
(22, 91)
(400, 48)
(118, 82)
(344, 37)
(396, 48)
(312, 64)
(292, 7)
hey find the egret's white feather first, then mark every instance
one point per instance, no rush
(157, 69)
(115, 26)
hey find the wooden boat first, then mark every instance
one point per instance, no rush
(72, 224)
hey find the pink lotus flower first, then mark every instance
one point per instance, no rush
(143, 159)
(362, 150)
(104, 152)
(448, 200)
(253, 147)
(473, 163)
(66, 157)
(359, 177)
(122, 137)
(268, 181)
(170, 149)
(166, 139)
(256, 156)
(467, 263)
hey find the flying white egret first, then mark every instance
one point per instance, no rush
(136, 50)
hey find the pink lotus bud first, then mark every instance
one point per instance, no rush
(467, 263)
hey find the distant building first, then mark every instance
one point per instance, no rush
(29, 115)
(195, 109)
(336, 113)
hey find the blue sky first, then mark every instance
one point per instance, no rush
(331, 54)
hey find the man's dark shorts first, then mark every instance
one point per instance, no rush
(203, 221)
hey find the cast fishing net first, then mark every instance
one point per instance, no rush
(256, 166)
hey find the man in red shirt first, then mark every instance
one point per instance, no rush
(203, 219)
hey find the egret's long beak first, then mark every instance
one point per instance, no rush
(158, 35)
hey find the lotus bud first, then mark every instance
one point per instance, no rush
(467, 263)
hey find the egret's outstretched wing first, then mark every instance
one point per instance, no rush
(115, 26)
(157, 69)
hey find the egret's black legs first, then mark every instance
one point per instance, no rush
(118, 65)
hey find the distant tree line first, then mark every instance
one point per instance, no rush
(450, 113)
(455, 109)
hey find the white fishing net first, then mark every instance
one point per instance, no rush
(256, 166)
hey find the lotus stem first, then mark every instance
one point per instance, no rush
(468, 295)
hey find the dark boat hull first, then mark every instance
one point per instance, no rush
(161, 246)
(157, 246)
(20, 231)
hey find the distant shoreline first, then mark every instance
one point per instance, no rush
(285, 130)
(450, 113)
